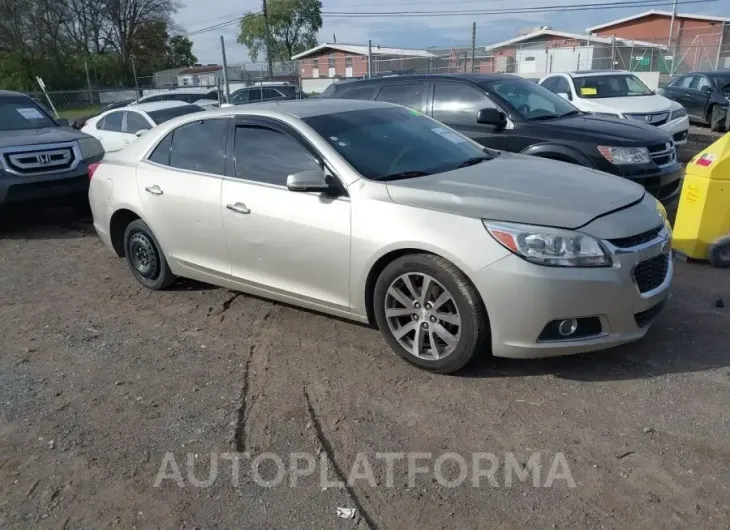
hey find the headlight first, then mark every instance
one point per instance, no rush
(550, 246)
(662, 210)
(679, 113)
(605, 114)
(90, 147)
(625, 155)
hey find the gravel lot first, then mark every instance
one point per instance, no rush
(100, 378)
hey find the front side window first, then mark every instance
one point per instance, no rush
(458, 103)
(357, 92)
(562, 86)
(610, 86)
(407, 143)
(265, 155)
(240, 97)
(703, 83)
(407, 94)
(722, 82)
(22, 113)
(529, 100)
(200, 146)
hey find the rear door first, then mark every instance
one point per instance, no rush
(292, 243)
(180, 189)
(457, 105)
(409, 94)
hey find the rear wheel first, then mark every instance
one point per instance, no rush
(430, 313)
(145, 257)
(718, 253)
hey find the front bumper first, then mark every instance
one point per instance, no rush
(677, 129)
(522, 298)
(45, 189)
(664, 183)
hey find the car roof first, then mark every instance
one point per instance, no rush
(596, 73)
(711, 73)
(154, 105)
(473, 78)
(12, 93)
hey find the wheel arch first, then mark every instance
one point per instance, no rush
(118, 223)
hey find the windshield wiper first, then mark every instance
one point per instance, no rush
(404, 175)
(545, 117)
(472, 161)
(571, 113)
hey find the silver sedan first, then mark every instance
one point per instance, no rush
(379, 214)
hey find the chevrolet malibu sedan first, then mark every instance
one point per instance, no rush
(376, 213)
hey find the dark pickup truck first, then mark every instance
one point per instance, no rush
(42, 160)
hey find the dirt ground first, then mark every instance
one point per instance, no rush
(100, 378)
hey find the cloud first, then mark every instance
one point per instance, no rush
(412, 31)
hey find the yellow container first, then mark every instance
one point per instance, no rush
(702, 227)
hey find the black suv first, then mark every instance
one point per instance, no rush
(41, 159)
(509, 113)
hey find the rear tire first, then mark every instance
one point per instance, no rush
(718, 253)
(430, 313)
(145, 257)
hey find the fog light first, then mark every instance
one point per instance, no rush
(567, 327)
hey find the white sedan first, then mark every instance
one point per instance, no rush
(118, 128)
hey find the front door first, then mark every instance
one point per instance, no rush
(180, 188)
(457, 105)
(292, 243)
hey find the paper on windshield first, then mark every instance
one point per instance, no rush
(30, 113)
(588, 91)
(451, 136)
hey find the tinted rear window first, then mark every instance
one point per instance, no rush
(161, 116)
(21, 113)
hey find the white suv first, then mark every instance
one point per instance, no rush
(620, 94)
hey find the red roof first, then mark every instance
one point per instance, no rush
(201, 70)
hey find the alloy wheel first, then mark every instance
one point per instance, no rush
(422, 316)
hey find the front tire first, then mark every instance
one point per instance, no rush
(430, 313)
(718, 253)
(145, 257)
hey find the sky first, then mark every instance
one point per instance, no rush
(412, 31)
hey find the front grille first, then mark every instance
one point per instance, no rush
(38, 162)
(663, 154)
(644, 318)
(638, 239)
(656, 118)
(651, 273)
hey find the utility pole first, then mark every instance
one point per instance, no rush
(88, 84)
(136, 83)
(370, 58)
(671, 26)
(466, 59)
(225, 70)
(267, 37)
(473, 45)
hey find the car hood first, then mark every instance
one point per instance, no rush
(49, 135)
(616, 132)
(520, 189)
(630, 105)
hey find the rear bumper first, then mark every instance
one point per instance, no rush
(45, 189)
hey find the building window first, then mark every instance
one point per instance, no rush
(332, 60)
(315, 63)
(348, 62)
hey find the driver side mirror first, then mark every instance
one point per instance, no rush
(64, 122)
(141, 132)
(492, 117)
(311, 180)
(706, 89)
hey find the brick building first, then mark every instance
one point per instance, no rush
(695, 42)
(323, 65)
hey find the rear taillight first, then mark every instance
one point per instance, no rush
(92, 169)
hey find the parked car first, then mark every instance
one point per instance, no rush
(506, 112)
(256, 94)
(203, 97)
(376, 213)
(618, 94)
(118, 128)
(705, 95)
(78, 123)
(42, 159)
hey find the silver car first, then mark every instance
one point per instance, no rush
(376, 213)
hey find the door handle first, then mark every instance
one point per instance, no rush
(154, 190)
(239, 207)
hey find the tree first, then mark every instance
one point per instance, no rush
(179, 52)
(293, 25)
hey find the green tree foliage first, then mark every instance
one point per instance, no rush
(293, 25)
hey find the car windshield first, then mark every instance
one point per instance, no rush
(19, 113)
(389, 143)
(528, 99)
(610, 86)
(162, 115)
(722, 81)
